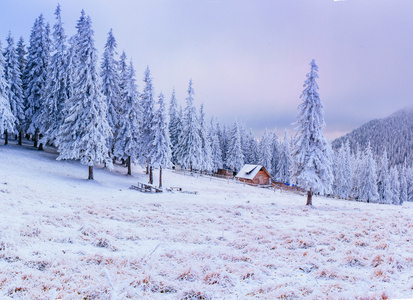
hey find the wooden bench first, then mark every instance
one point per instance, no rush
(146, 188)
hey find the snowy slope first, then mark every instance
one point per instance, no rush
(62, 236)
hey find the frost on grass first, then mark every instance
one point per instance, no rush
(229, 241)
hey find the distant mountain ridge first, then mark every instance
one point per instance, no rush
(395, 133)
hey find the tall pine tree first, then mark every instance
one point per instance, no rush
(356, 163)
(403, 184)
(56, 89)
(161, 153)
(223, 139)
(21, 55)
(7, 120)
(409, 179)
(175, 125)
(85, 129)
(383, 179)
(111, 85)
(148, 114)
(189, 153)
(312, 155)
(265, 150)
(275, 152)
(284, 161)
(35, 75)
(235, 157)
(13, 76)
(395, 186)
(252, 145)
(206, 164)
(130, 122)
(216, 151)
(368, 188)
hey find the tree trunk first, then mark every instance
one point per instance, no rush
(160, 176)
(309, 197)
(150, 175)
(190, 166)
(147, 169)
(90, 173)
(36, 137)
(20, 138)
(6, 137)
(40, 144)
(128, 162)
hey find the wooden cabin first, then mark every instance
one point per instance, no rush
(254, 174)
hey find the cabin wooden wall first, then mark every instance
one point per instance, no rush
(261, 178)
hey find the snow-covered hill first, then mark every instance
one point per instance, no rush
(64, 237)
(395, 133)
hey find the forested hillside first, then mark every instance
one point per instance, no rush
(394, 133)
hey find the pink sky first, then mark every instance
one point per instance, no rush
(248, 59)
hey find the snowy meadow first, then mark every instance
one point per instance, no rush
(64, 237)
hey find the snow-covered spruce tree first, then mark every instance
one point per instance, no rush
(387, 195)
(111, 85)
(206, 164)
(148, 113)
(189, 153)
(216, 151)
(178, 130)
(342, 174)
(409, 179)
(244, 142)
(35, 74)
(85, 129)
(395, 186)
(312, 155)
(123, 74)
(403, 184)
(223, 139)
(124, 80)
(123, 66)
(15, 87)
(22, 59)
(275, 153)
(56, 89)
(252, 153)
(7, 119)
(128, 139)
(72, 62)
(235, 158)
(284, 160)
(336, 170)
(161, 153)
(175, 125)
(265, 150)
(356, 178)
(21, 55)
(347, 171)
(368, 187)
(383, 178)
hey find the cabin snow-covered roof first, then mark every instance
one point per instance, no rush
(250, 171)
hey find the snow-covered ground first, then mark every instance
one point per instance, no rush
(64, 237)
